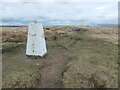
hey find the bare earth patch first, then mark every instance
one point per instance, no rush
(51, 75)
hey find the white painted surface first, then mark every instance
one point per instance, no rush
(36, 41)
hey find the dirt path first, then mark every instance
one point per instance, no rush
(51, 74)
(51, 67)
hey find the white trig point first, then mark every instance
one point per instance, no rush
(36, 45)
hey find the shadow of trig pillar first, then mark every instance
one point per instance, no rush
(36, 44)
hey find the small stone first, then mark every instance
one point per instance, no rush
(37, 64)
(49, 67)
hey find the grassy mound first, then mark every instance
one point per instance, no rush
(94, 63)
(18, 72)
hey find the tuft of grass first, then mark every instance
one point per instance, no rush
(21, 78)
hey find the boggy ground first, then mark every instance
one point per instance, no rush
(76, 58)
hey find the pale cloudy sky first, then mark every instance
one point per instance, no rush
(62, 13)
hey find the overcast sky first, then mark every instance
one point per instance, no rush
(63, 13)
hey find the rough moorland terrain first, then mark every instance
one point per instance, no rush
(78, 57)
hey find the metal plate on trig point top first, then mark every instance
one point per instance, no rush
(36, 41)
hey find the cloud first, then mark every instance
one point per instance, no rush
(63, 13)
(60, 0)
